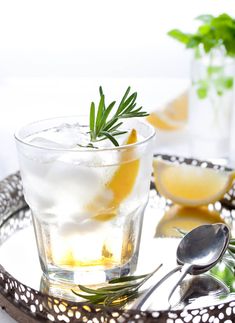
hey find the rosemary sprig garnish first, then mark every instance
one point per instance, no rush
(118, 292)
(103, 126)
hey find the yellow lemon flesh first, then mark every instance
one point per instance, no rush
(173, 116)
(191, 185)
(161, 121)
(122, 182)
(186, 219)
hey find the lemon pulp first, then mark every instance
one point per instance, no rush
(123, 180)
(191, 185)
(173, 116)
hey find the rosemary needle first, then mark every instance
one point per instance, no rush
(118, 292)
(103, 126)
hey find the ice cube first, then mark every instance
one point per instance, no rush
(72, 186)
(82, 227)
(48, 143)
(72, 134)
(38, 193)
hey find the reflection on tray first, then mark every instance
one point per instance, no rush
(201, 291)
(185, 219)
(53, 288)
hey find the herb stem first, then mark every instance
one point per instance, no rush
(102, 126)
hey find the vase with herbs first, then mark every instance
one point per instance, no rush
(212, 84)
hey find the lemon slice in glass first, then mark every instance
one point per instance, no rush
(191, 185)
(121, 183)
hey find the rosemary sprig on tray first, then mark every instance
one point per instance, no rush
(102, 126)
(118, 292)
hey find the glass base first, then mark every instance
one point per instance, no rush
(88, 276)
(61, 283)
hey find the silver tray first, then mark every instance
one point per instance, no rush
(21, 292)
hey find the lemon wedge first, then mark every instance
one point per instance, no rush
(186, 219)
(160, 120)
(120, 185)
(173, 116)
(191, 185)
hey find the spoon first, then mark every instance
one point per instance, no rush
(201, 249)
(197, 252)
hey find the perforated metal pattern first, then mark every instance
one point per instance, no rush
(43, 308)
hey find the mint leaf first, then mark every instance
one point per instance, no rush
(213, 32)
(193, 41)
(204, 29)
(179, 35)
(223, 83)
(214, 70)
(228, 82)
(202, 92)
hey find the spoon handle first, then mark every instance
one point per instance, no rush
(141, 302)
(184, 271)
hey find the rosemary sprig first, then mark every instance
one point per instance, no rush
(118, 292)
(103, 126)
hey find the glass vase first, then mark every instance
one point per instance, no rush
(211, 103)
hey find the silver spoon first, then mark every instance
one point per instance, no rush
(197, 252)
(201, 249)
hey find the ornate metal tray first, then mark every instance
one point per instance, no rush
(27, 304)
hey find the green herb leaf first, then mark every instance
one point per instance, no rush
(212, 33)
(110, 137)
(92, 119)
(102, 126)
(126, 279)
(202, 92)
(118, 292)
(214, 70)
(180, 36)
(228, 82)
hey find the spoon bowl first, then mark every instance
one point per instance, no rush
(203, 246)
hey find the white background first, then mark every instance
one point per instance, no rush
(54, 53)
(98, 38)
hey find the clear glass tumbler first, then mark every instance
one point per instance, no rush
(211, 103)
(87, 204)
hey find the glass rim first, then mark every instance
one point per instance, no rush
(89, 150)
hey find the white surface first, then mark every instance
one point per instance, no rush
(4, 317)
(105, 38)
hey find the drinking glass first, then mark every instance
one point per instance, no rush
(211, 104)
(87, 204)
